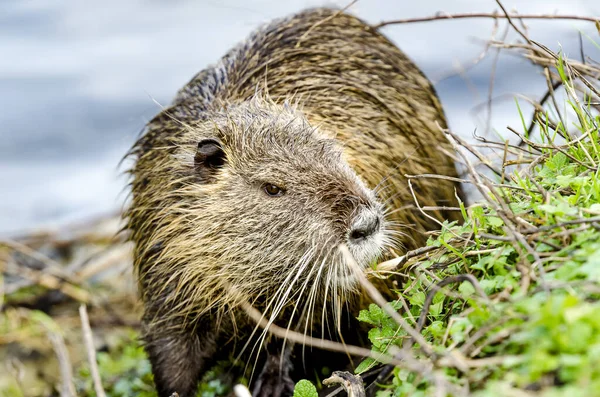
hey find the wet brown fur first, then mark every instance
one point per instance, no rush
(298, 101)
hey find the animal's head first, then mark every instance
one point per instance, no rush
(260, 203)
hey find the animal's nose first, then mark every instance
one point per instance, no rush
(365, 225)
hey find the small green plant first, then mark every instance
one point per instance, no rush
(305, 389)
(518, 309)
(125, 371)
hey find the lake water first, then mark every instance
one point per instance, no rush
(78, 80)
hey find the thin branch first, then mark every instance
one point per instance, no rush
(308, 340)
(490, 15)
(91, 351)
(510, 21)
(393, 264)
(67, 389)
(435, 288)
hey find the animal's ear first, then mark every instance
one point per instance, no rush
(209, 158)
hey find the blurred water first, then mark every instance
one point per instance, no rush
(78, 80)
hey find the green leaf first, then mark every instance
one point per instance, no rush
(595, 208)
(374, 316)
(558, 209)
(305, 388)
(494, 221)
(417, 299)
(436, 308)
(556, 162)
(466, 289)
(365, 365)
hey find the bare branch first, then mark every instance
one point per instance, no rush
(91, 351)
(489, 15)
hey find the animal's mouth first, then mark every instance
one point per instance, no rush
(357, 256)
(367, 250)
(366, 238)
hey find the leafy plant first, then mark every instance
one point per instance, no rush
(519, 308)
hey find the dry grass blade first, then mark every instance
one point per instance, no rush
(308, 340)
(91, 351)
(67, 388)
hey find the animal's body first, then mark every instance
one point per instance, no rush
(295, 142)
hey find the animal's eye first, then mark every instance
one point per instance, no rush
(273, 190)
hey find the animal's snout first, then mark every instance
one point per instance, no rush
(366, 224)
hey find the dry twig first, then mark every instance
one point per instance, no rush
(490, 15)
(91, 351)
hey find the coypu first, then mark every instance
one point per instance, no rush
(295, 142)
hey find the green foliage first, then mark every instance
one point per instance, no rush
(125, 371)
(530, 321)
(211, 387)
(305, 389)
(383, 334)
